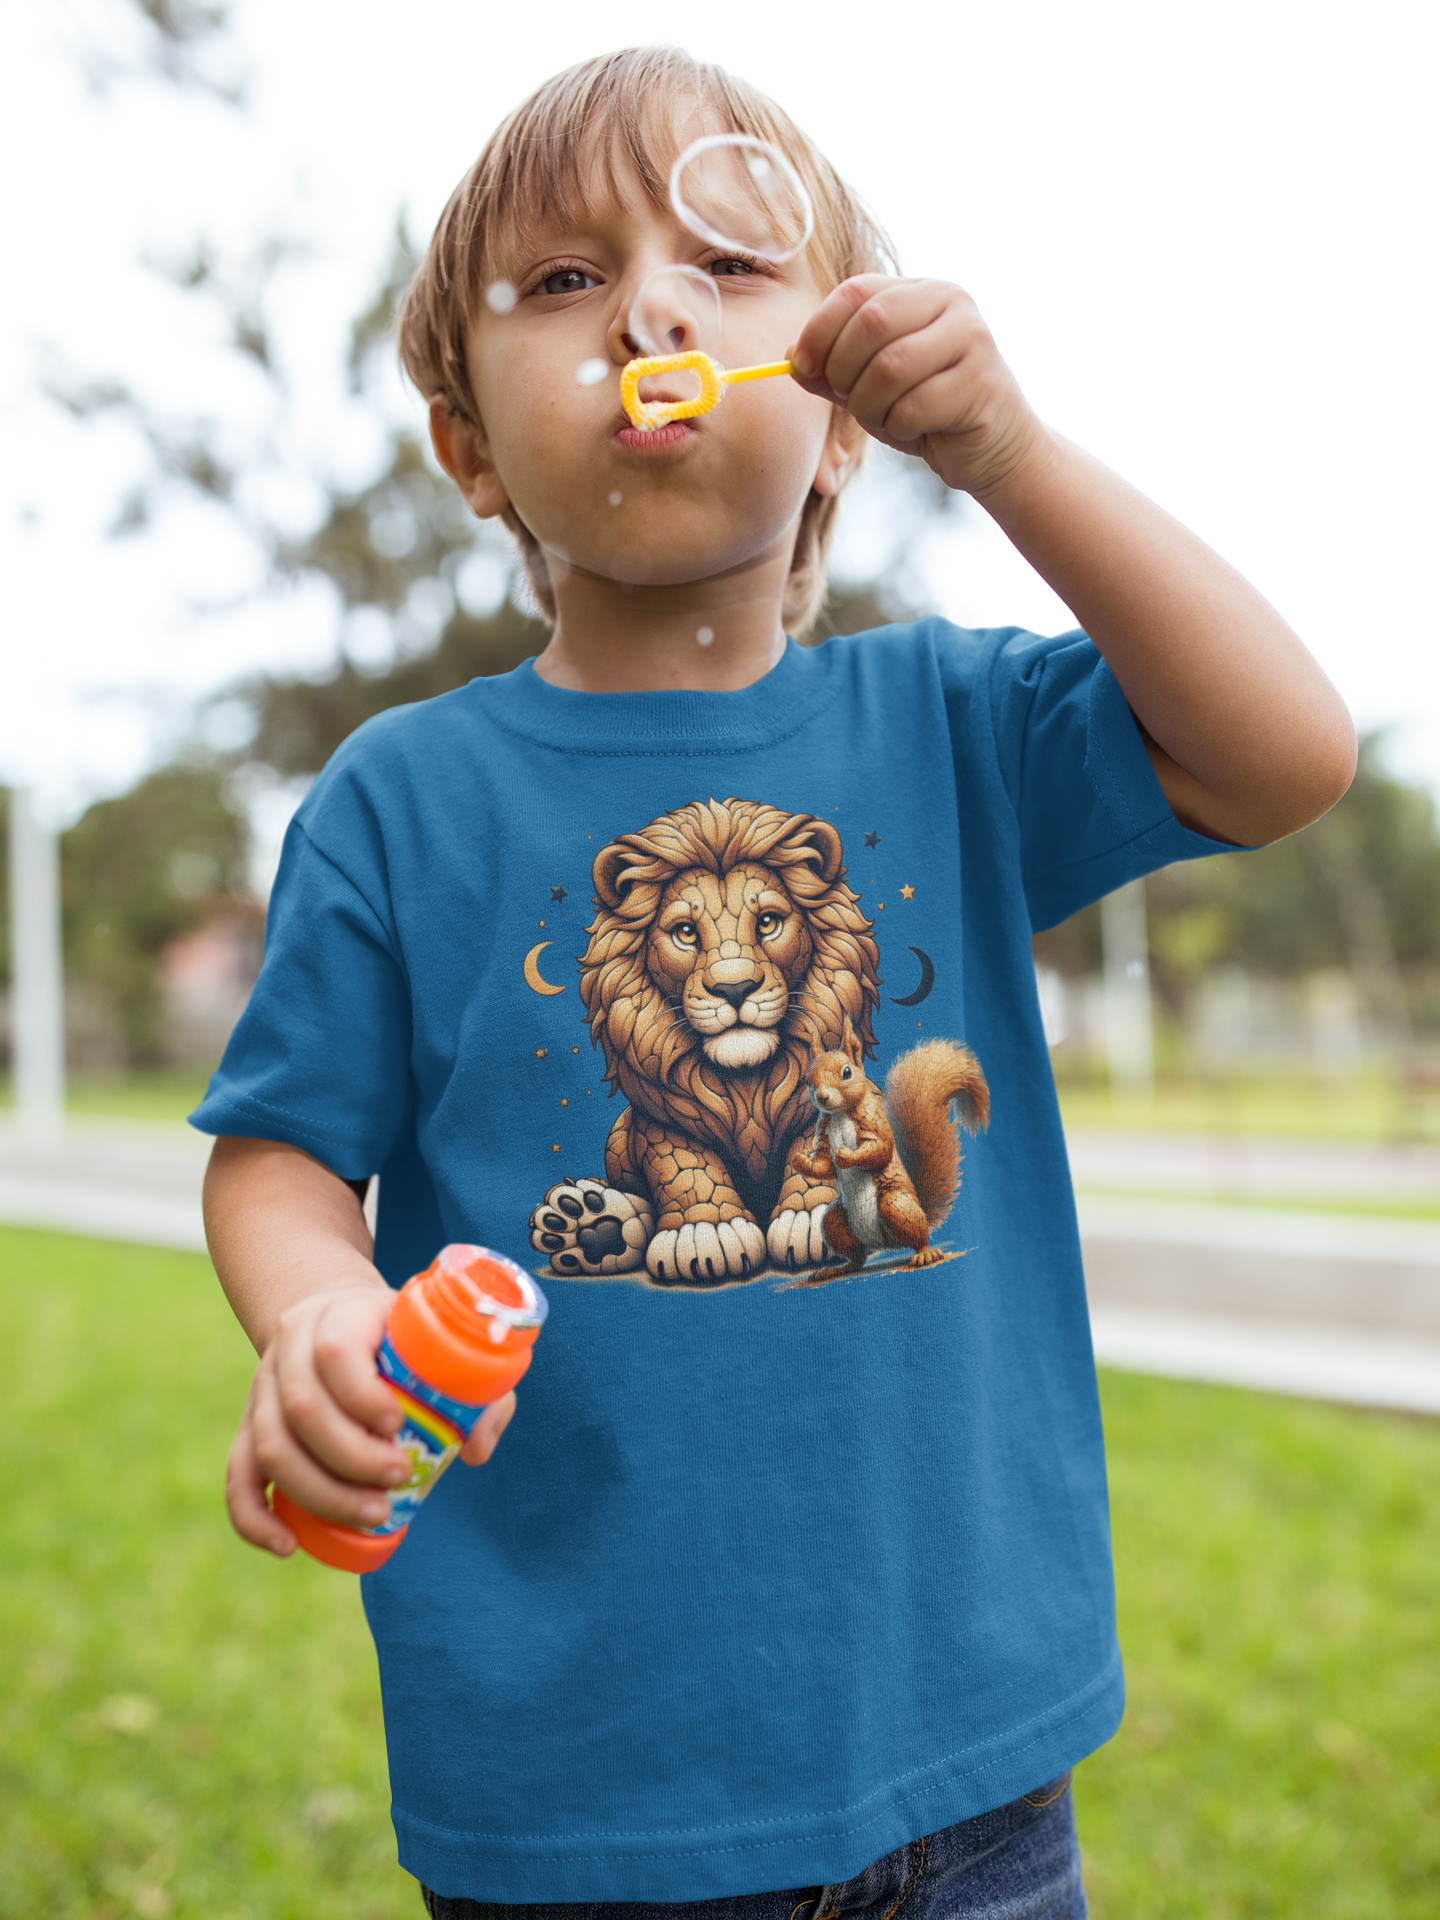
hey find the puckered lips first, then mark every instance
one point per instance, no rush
(658, 439)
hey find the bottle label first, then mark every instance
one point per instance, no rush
(432, 1433)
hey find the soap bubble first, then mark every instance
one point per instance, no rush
(676, 310)
(501, 297)
(590, 372)
(736, 191)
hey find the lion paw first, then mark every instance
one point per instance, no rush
(706, 1254)
(589, 1228)
(797, 1239)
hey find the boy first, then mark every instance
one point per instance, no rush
(787, 1596)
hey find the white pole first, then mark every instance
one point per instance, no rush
(1129, 1038)
(37, 998)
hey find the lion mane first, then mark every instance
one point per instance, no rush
(652, 1055)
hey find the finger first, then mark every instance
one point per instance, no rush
(324, 1429)
(484, 1436)
(943, 404)
(245, 1500)
(899, 322)
(818, 336)
(282, 1459)
(346, 1339)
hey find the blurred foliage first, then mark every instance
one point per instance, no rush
(1360, 889)
(184, 43)
(136, 873)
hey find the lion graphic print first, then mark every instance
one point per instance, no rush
(730, 983)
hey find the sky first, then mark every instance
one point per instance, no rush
(1204, 239)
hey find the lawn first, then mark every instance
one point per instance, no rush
(161, 1093)
(188, 1729)
(1374, 1109)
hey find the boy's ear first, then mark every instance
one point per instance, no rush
(837, 456)
(461, 448)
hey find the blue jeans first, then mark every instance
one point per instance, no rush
(1018, 1862)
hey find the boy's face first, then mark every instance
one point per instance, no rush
(702, 499)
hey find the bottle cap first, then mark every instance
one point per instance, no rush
(467, 1282)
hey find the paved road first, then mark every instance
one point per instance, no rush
(122, 1181)
(1334, 1306)
(1215, 1167)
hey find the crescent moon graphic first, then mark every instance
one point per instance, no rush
(532, 970)
(927, 981)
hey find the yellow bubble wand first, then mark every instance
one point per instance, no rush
(771, 178)
(646, 415)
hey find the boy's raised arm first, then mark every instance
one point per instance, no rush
(293, 1252)
(1249, 739)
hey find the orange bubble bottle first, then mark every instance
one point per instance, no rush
(458, 1337)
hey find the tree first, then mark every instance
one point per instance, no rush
(138, 872)
(1359, 889)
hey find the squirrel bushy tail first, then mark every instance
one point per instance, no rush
(919, 1089)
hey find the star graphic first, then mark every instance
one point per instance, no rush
(558, 893)
(872, 839)
(907, 893)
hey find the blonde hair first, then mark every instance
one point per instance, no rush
(616, 111)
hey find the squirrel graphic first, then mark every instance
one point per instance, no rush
(894, 1157)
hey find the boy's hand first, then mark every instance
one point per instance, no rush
(318, 1419)
(915, 364)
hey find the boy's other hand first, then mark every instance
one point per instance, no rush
(915, 364)
(484, 1436)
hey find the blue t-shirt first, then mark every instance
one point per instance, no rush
(765, 1580)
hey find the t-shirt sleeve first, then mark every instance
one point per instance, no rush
(321, 1055)
(1090, 810)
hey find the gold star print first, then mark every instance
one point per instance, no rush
(907, 893)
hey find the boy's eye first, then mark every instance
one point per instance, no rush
(568, 280)
(732, 263)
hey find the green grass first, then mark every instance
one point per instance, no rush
(1401, 1207)
(188, 1729)
(1279, 1588)
(166, 1093)
(1297, 1109)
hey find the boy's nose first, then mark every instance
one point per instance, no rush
(677, 340)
